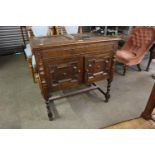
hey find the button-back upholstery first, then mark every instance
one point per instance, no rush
(139, 42)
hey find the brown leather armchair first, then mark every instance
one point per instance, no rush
(139, 42)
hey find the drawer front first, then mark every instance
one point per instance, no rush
(100, 47)
(64, 73)
(83, 49)
(98, 67)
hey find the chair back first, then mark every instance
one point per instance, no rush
(40, 31)
(60, 30)
(72, 29)
(68, 30)
(140, 40)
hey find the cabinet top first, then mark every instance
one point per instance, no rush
(59, 40)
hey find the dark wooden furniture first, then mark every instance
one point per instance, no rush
(152, 56)
(147, 114)
(67, 61)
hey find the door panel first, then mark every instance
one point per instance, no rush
(97, 68)
(64, 73)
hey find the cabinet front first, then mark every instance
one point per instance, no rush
(64, 73)
(97, 67)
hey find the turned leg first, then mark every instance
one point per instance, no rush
(50, 115)
(139, 68)
(107, 95)
(53, 109)
(149, 62)
(124, 68)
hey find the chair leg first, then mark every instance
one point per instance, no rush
(139, 68)
(124, 69)
(149, 62)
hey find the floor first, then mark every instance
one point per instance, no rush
(138, 123)
(22, 106)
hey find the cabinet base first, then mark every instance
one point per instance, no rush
(52, 112)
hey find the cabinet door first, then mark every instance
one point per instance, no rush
(64, 73)
(98, 67)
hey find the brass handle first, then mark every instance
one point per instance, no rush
(42, 73)
(90, 65)
(105, 73)
(74, 67)
(41, 69)
(55, 82)
(43, 81)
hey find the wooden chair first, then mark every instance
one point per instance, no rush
(29, 55)
(62, 30)
(139, 42)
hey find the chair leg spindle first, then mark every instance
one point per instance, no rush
(139, 68)
(124, 69)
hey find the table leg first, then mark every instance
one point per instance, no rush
(107, 95)
(50, 114)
